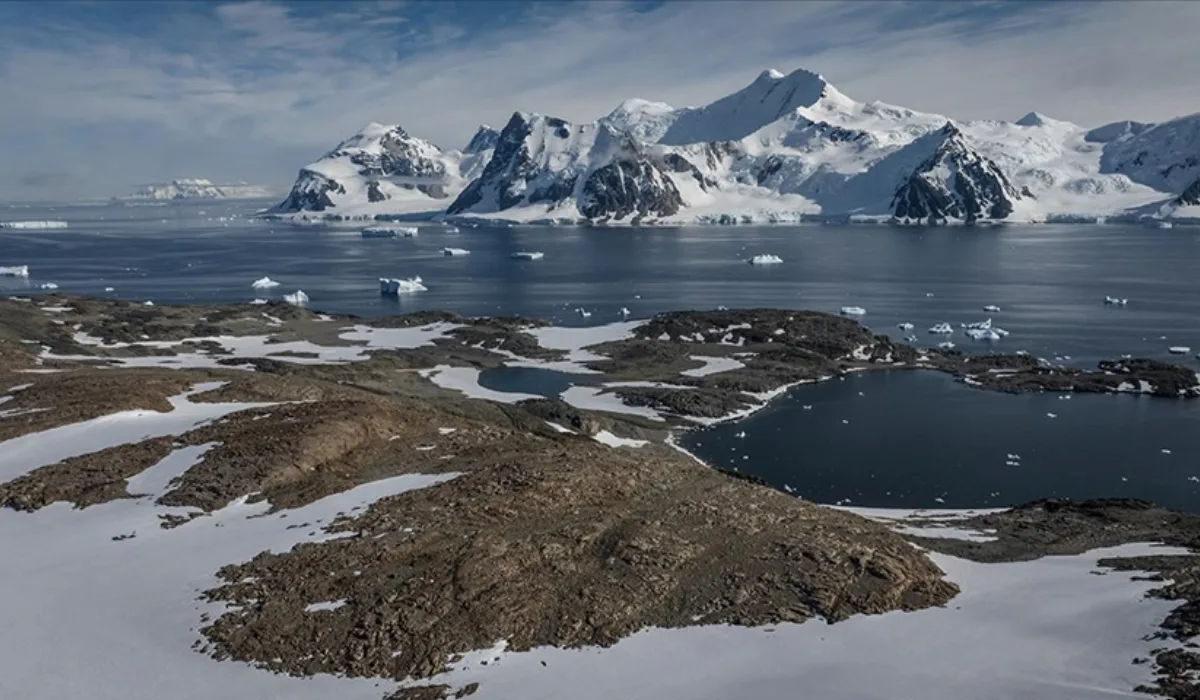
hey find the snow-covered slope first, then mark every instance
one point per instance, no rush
(384, 169)
(546, 168)
(194, 189)
(784, 148)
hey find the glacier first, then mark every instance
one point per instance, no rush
(787, 148)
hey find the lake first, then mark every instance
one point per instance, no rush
(911, 439)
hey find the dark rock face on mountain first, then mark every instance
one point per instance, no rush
(955, 182)
(310, 193)
(483, 140)
(628, 187)
(1191, 196)
(506, 173)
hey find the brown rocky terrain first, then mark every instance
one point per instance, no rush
(542, 536)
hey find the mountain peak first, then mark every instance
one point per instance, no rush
(483, 139)
(769, 74)
(1039, 119)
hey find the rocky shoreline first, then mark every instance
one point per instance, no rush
(540, 530)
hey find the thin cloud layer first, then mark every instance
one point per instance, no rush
(251, 91)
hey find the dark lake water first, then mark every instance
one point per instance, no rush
(912, 438)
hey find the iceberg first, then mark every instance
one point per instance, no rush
(625, 312)
(33, 224)
(979, 325)
(767, 259)
(583, 312)
(983, 334)
(48, 285)
(15, 271)
(109, 289)
(946, 345)
(853, 311)
(455, 251)
(528, 255)
(298, 299)
(392, 287)
(389, 232)
(264, 283)
(1115, 301)
(1179, 350)
(942, 329)
(906, 326)
(992, 309)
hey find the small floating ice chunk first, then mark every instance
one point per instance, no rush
(766, 259)
(259, 301)
(1014, 457)
(389, 232)
(1166, 451)
(942, 329)
(109, 289)
(1114, 301)
(48, 285)
(906, 326)
(392, 286)
(853, 311)
(1179, 349)
(979, 325)
(15, 271)
(584, 313)
(264, 283)
(1052, 415)
(528, 255)
(625, 312)
(297, 299)
(33, 224)
(455, 251)
(983, 334)
(946, 345)
(992, 309)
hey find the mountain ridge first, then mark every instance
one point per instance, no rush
(785, 147)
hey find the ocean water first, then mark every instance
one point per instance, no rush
(922, 438)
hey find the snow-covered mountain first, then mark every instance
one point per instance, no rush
(784, 148)
(384, 169)
(193, 189)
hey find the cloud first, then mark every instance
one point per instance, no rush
(254, 90)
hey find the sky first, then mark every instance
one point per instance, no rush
(97, 97)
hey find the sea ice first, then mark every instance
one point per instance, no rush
(528, 255)
(392, 286)
(853, 311)
(298, 299)
(946, 345)
(264, 283)
(906, 326)
(942, 329)
(389, 232)
(48, 285)
(1179, 349)
(979, 325)
(766, 259)
(983, 334)
(32, 224)
(992, 309)
(1115, 301)
(455, 251)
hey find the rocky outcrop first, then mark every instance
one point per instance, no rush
(1191, 196)
(312, 192)
(626, 188)
(954, 183)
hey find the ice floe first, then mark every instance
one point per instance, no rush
(766, 259)
(942, 329)
(1114, 301)
(455, 251)
(853, 311)
(264, 283)
(389, 232)
(33, 224)
(528, 255)
(1179, 349)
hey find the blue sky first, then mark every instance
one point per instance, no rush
(99, 96)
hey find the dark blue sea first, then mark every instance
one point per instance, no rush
(910, 440)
